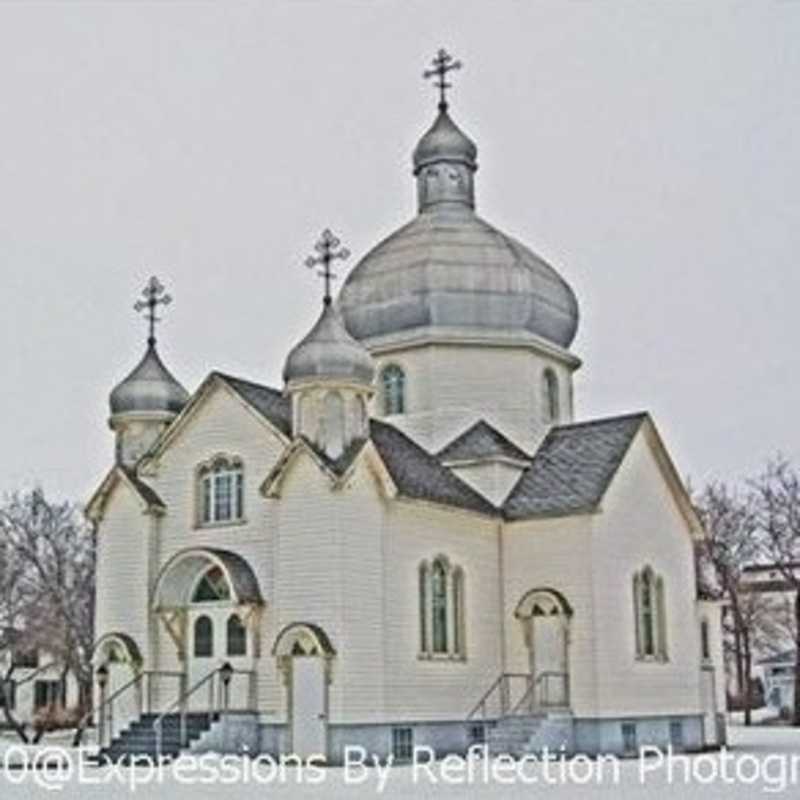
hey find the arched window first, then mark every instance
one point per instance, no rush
(236, 636)
(441, 609)
(650, 615)
(334, 424)
(550, 399)
(203, 637)
(212, 587)
(393, 386)
(221, 490)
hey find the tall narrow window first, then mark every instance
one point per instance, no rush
(423, 608)
(221, 491)
(203, 637)
(441, 609)
(705, 643)
(393, 386)
(650, 615)
(458, 610)
(550, 399)
(237, 636)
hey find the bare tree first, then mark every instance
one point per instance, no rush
(731, 522)
(778, 493)
(53, 553)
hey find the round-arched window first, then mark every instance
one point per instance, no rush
(393, 387)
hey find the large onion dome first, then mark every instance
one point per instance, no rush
(449, 269)
(150, 388)
(329, 353)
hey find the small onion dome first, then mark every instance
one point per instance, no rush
(329, 353)
(445, 141)
(150, 388)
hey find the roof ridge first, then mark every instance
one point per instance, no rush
(227, 377)
(586, 423)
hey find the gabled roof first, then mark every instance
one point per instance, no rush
(271, 403)
(572, 468)
(481, 441)
(418, 475)
(128, 476)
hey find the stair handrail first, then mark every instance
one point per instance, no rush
(502, 681)
(101, 708)
(542, 678)
(181, 705)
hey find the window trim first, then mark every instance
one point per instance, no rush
(650, 622)
(206, 492)
(394, 401)
(203, 618)
(246, 650)
(454, 611)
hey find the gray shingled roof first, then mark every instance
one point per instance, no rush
(481, 440)
(270, 402)
(149, 495)
(569, 473)
(572, 468)
(417, 474)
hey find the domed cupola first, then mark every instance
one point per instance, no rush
(329, 375)
(471, 294)
(150, 397)
(149, 388)
(329, 354)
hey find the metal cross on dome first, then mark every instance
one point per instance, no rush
(154, 296)
(326, 246)
(442, 64)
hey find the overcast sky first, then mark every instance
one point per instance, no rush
(649, 151)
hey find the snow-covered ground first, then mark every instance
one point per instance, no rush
(761, 762)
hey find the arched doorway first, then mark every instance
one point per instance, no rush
(544, 615)
(304, 655)
(210, 605)
(122, 658)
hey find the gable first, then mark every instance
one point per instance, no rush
(573, 468)
(265, 405)
(120, 478)
(647, 477)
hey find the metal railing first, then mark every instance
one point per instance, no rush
(144, 683)
(218, 682)
(516, 693)
(549, 690)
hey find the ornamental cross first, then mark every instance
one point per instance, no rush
(154, 296)
(326, 246)
(442, 64)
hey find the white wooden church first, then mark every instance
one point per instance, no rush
(412, 541)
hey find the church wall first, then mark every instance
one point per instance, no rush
(432, 688)
(222, 425)
(122, 561)
(451, 387)
(641, 525)
(329, 548)
(554, 553)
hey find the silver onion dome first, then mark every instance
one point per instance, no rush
(329, 352)
(449, 269)
(445, 141)
(149, 388)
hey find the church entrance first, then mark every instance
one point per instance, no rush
(545, 617)
(210, 607)
(304, 656)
